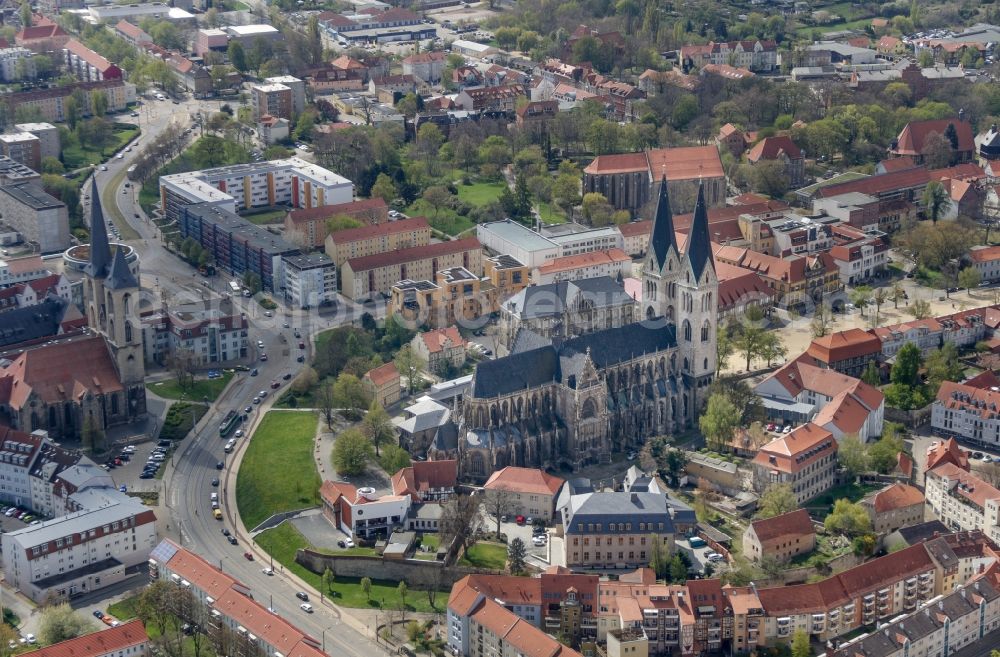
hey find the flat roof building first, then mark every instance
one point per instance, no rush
(309, 279)
(518, 241)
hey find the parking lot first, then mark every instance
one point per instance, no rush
(128, 473)
(699, 557)
(536, 553)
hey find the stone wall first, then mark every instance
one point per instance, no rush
(417, 574)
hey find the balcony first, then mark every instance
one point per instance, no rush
(784, 620)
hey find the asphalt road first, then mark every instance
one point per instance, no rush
(187, 485)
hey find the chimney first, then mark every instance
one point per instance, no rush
(961, 114)
(635, 498)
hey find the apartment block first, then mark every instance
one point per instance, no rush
(271, 99)
(386, 237)
(366, 276)
(48, 137)
(507, 274)
(87, 65)
(967, 412)
(239, 187)
(297, 87)
(16, 63)
(51, 102)
(22, 147)
(39, 217)
(309, 227)
(457, 296)
(310, 279)
(962, 500)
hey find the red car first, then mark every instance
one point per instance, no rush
(302, 345)
(248, 556)
(275, 385)
(519, 520)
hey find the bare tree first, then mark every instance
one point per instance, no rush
(460, 519)
(181, 364)
(499, 501)
(325, 397)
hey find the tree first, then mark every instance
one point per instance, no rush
(942, 365)
(99, 102)
(861, 296)
(305, 381)
(59, 623)
(71, 109)
(884, 453)
(351, 452)
(237, 56)
(820, 323)
(936, 151)
(907, 366)
(349, 394)
(678, 570)
(776, 500)
(402, 590)
(25, 14)
(460, 520)
(969, 278)
(384, 188)
(377, 426)
(394, 459)
(879, 298)
(771, 347)
(673, 462)
(409, 363)
(742, 396)
(934, 200)
(252, 282)
(852, 455)
(366, 586)
(328, 579)
(438, 198)
(324, 397)
(748, 341)
(848, 518)
(723, 350)
(516, 553)
(769, 177)
(659, 556)
(596, 209)
(499, 501)
(920, 309)
(719, 421)
(800, 644)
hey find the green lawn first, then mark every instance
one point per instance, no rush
(550, 214)
(445, 220)
(485, 555)
(125, 610)
(107, 191)
(180, 419)
(278, 472)
(202, 388)
(852, 492)
(274, 216)
(282, 542)
(76, 156)
(480, 193)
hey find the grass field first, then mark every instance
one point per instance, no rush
(852, 492)
(278, 472)
(485, 555)
(282, 542)
(110, 205)
(480, 193)
(202, 388)
(550, 214)
(76, 156)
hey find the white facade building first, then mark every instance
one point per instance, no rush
(9, 58)
(962, 501)
(21, 270)
(967, 412)
(513, 239)
(48, 137)
(210, 335)
(298, 88)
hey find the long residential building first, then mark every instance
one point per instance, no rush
(379, 238)
(309, 227)
(88, 65)
(40, 218)
(51, 102)
(208, 335)
(239, 187)
(962, 500)
(968, 412)
(367, 276)
(223, 603)
(704, 616)
(126, 640)
(805, 459)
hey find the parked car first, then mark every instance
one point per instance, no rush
(248, 556)
(539, 540)
(302, 595)
(306, 607)
(98, 614)
(348, 543)
(267, 571)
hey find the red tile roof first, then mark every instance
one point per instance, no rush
(128, 29)
(911, 138)
(328, 211)
(770, 148)
(636, 228)
(383, 374)
(61, 372)
(844, 345)
(425, 58)
(201, 574)
(439, 340)
(947, 451)
(40, 32)
(682, 163)
(795, 523)
(875, 185)
(581, 260)
(380, 230)
(26, 264)
(896, 496)
(524, 480)
(422, 476)
(365, 263)
(108, 641)
(973, 489)
(788, 452)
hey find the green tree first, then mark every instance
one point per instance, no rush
(409, 363)
(942, 365)
(906, 369)
(861, 296)
(52, 165)
(516, 553)
(749, 340)
(883, 454)
(71, 110)
(847, 518)
(252, 282)
(237, 56)
(678, 570)
(25, 14)
(771, 347)
(871, 375)
(920, 309)
(377, 426)
(366, 586)
(719, 421)
(800, 644)
(659, 556)
(349, 394)
(969, 278)
(596, 209)
(776, 500)
(99, 102)
(59, 623)
(351, 452)
(328, 579)
(852, 455)
(934, 200)
(394, 459)
(384, 188)
(402, 590)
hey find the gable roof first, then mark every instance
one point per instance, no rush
(422, 476)
(844, 345)
(797, 450)
(895, 496)
(60, 372)
(438, 340)
(912, 138)
(379, 230)
(947, 451)
(770, 148)
(794, 523)
(103, 642)
(383, 374)
(524, 480)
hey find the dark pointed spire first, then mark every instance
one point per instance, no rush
(662, 237)
(100, 251)
(120, 276)
(698, 248)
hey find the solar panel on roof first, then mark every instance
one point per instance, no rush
(164, 552)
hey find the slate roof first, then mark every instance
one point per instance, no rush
(619, 508)
(554, 299)
(120, 277)
(32, 322)
(661, 239)
(100, 251)
(698, 248)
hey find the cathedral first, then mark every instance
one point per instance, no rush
(564, 403)
(96, 377)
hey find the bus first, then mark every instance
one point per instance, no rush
(235, 287)
(229, 423)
